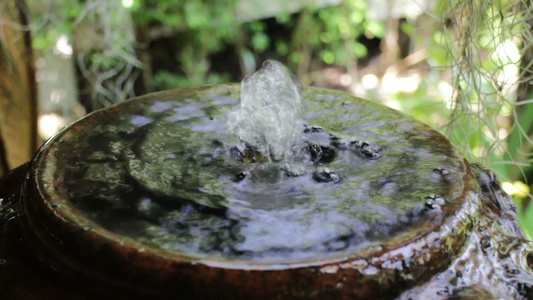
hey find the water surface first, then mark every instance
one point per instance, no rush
(170, 174)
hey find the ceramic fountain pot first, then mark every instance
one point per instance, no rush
(152, 198)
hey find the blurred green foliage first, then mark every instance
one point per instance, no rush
(206, 27)
(203, 26)
(482, 44)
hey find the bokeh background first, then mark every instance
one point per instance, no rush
(462, 66)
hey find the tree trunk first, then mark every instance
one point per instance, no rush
(18, 109)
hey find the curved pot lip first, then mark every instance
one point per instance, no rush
(70, 219)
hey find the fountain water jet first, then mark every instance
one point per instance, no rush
(269, 119)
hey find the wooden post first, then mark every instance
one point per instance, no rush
(18, 100)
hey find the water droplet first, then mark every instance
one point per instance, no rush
(293, 170)
(331, 269)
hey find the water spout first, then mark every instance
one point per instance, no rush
(269, 118)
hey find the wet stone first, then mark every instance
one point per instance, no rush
(321, 153)
(326, 176)
(237, 153)
(334, 138)
(369, 150)
(313, 129)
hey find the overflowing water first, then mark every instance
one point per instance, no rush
(496, 261)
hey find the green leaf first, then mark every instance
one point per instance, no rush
(260, 41)
(359, 50)
(328, 57)
(283, 18)
(376, 28)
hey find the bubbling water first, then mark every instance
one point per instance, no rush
(269, 118)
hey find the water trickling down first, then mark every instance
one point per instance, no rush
(496, 261)
(269, 119)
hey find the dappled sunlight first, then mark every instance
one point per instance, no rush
(370, 81)
(516, 188)
(447, 94)
(393, 83)
(63, 46)
(127, 3)
(507, 52)
(49, 124)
